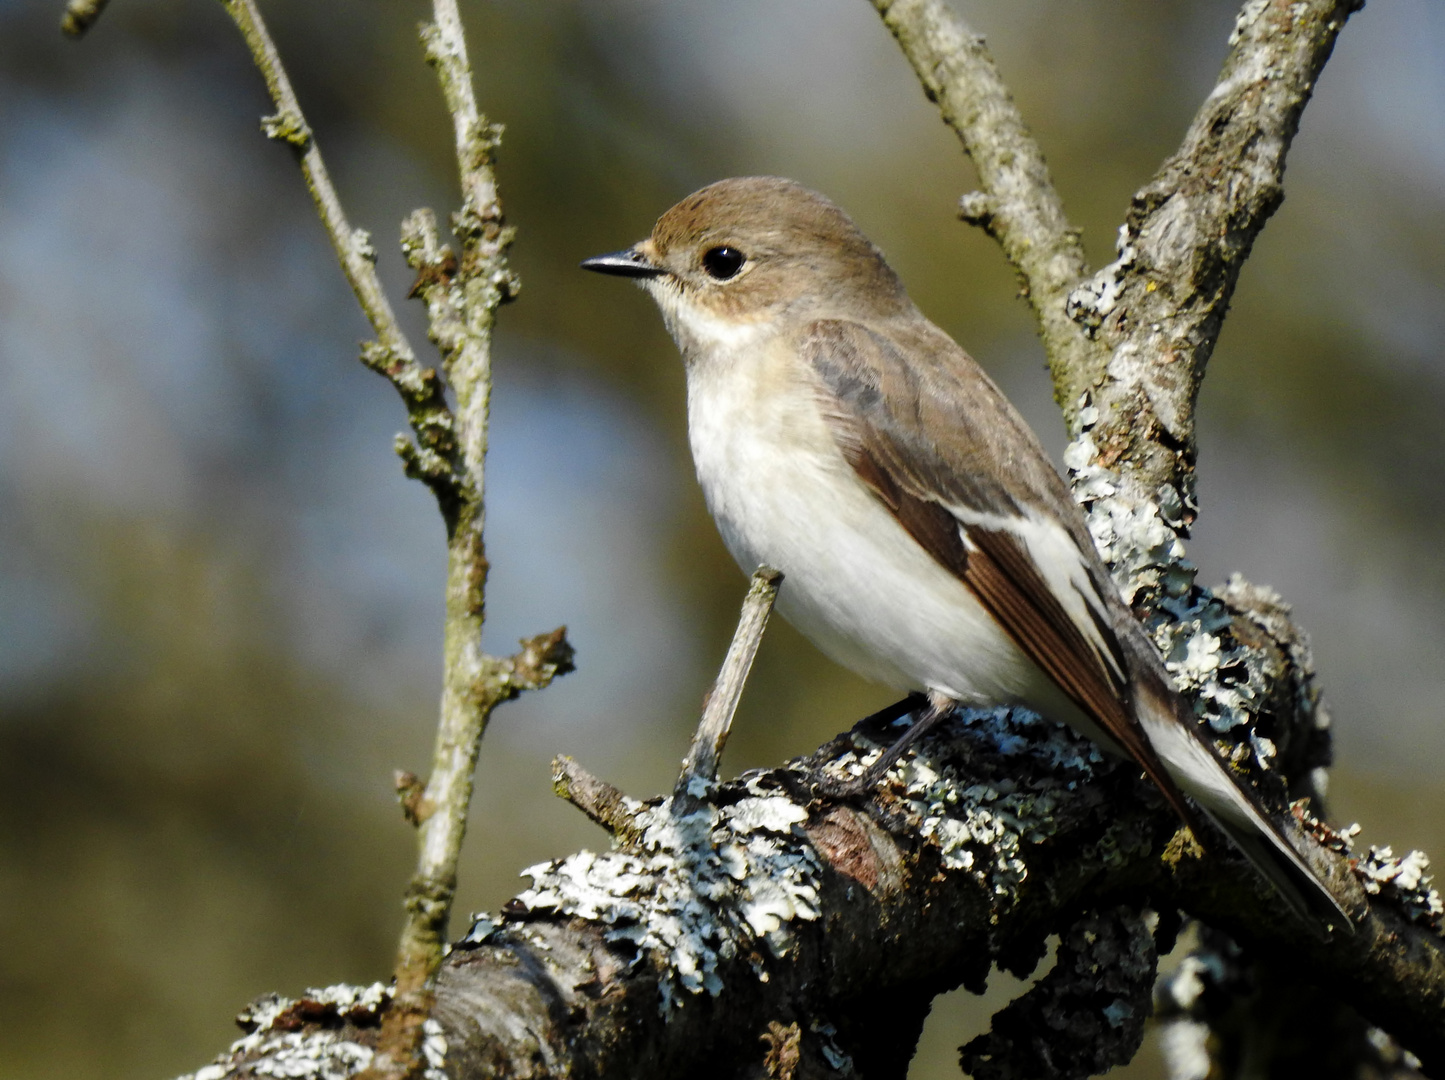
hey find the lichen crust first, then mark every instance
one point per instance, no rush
(703, 883)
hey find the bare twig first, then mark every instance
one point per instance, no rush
(449, 455)
(483, 280)
(1018, 206)
(702, 757)
(433, 458)
(595, 797)
(462, 296)
(80, 16)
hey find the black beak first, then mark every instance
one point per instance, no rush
(629, 262)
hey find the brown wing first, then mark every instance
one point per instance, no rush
(939, 445)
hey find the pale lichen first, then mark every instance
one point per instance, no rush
(1226, 680)
(702, 883)
(1092, 302)
(981, 827)
(1406, 882)
(299, 1037)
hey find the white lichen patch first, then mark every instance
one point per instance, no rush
(433, 1050)
(1246, 18)
(698, 888)
(1185, 1045)
(318, 1054)
(481, 929)
(977, 827)
(1091, 302)
(1406, 881)
(1140, 542)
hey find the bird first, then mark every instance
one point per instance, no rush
(925, 539)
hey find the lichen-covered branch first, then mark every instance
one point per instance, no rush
(1157, 310)
(1152, 318)
(1143, 327)
(1018, 204)
(763, 927)
(768, 907)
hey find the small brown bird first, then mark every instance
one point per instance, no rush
(926, 541)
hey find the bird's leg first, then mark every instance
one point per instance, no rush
(938, 707)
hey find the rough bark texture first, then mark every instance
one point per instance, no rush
(674, 954)
(1157, 310)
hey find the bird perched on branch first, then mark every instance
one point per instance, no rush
(926, 541)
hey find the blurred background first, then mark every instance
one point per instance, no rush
(220, 601)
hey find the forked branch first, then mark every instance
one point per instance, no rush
(449, 455)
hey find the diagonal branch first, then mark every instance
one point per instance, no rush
(701, 761)
(433, 458)
(766, 906)
(1018, 206)
(1158, 309)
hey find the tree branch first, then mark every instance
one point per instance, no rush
(433, 458)
(449, 455)
(1018, 206)
(770, 905)
(1158, 309)
(700, 764)
(767, 929)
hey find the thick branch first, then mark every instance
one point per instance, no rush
(769, 906)
(1158, 309)
(1018, 205)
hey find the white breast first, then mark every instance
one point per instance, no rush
(856, 583)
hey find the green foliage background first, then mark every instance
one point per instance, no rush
(220, 602)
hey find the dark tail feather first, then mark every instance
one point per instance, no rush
(1200, 773)
(1275, 858)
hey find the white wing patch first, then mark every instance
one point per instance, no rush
(1063, 568)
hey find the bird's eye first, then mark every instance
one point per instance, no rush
(723, 262)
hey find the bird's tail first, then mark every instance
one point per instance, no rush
(1200, 773)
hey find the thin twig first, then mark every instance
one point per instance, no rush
(462, 296)
(433, 457)
(483, 280)
(1019, 206)
(595, 797)
(449, 454)
(702, 757)
(80, 16)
